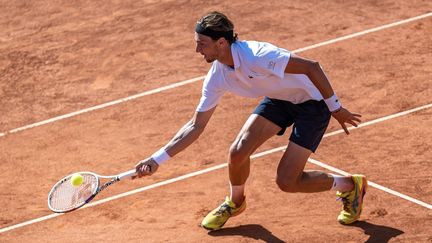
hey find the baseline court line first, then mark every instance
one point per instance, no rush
(200, 172)
(193, 80)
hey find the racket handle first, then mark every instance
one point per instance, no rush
(127, 174)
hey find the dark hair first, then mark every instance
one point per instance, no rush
(219, 22)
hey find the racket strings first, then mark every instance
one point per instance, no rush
(65, 196)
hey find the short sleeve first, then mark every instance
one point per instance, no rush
(212, 91)
(271, 59)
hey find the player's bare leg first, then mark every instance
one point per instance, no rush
(254, 133)
(291, 176)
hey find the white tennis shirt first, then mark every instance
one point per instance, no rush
(259, 70)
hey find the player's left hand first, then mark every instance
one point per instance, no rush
(344, 116)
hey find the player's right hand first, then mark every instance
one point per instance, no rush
(145, 168)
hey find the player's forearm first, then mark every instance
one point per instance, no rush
(320, 80)
(313, 70)
(188, 134)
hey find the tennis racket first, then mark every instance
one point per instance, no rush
(64, 197)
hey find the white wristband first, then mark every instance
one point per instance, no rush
(333, 103)
(160, 156)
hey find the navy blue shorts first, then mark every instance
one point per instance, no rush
(310, 119)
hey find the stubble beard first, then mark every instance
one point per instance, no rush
(209, 59)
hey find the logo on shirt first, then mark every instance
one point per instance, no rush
(271, 65)
(296, 133)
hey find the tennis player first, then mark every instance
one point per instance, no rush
(295, 91)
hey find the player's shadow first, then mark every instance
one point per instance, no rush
(254, 231)
(377, 233)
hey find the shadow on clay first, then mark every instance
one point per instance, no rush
(377, 233)
(254, 231)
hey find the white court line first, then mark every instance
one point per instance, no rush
(382, 188)
(200, 172)
(104, 105)
(385, 118)
(366, 32)
(92, 204)
(185, 82)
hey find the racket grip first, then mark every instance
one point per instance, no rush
(127, 174)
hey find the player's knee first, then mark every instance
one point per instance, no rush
(238, 153)
(287, 184)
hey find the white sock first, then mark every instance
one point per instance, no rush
(342, 183)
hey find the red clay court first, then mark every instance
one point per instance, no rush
(98, 86)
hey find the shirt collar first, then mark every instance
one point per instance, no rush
(235, 55)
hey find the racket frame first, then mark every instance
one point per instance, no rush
(99, 187)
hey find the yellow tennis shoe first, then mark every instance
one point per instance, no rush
(353, 200)
(220, 215)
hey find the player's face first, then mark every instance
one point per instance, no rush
(206, 47)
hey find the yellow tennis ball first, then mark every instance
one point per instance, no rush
(76, 179)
